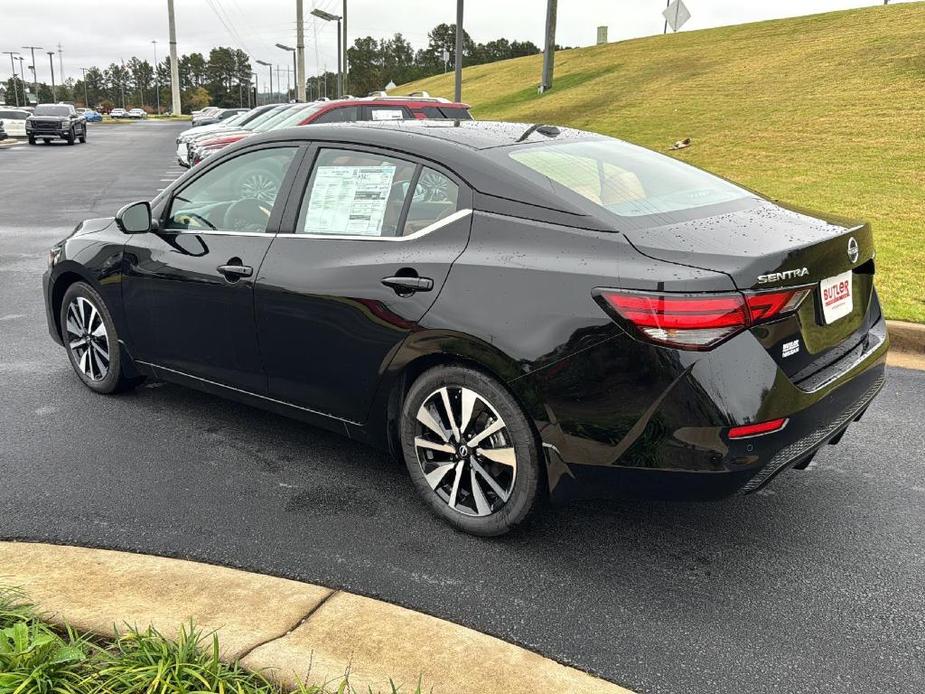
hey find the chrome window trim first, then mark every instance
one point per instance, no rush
(430, 228)
(219, 232)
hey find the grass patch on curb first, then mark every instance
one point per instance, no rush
(824, 111)
(38, 658)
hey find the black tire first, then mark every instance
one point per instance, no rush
(522, 481)
(70, 136)
(31, 140)
(83, 136)
(113, 380)
(46, 140)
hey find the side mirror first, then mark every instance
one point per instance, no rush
(135, 218)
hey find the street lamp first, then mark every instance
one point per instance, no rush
(157, 85)
(328, 17)
(35, 79)
(22, 79)
(290, 48)
(270, 66)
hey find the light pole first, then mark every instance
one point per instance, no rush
(35, 81)
(13, 68)
(157, 84)
(294, 70)
(22, 80)
(86, 98)
(51, 62)
(269, 66)
(328, 17)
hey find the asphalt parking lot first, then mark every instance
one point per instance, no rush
(815, 585)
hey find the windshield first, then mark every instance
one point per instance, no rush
(235, 119)
(52, 110)
(295, 117)
(14, 115)
(624, 179)
(273, 119)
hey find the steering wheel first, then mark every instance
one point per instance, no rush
(187, 217)
(249, 214)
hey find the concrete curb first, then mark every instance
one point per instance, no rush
(907, 344)
(290, 631)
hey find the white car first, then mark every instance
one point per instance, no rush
(14, 121)
(136, 113)
(117, 113)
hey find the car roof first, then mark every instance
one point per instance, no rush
(469, 134)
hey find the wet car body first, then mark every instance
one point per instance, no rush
(521, 284)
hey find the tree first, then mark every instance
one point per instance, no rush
(142, 76)
(117, 77)
(195, 99)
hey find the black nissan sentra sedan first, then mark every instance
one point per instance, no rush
(517, 311)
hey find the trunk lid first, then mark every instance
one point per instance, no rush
(771, 247)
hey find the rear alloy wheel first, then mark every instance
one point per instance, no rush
(91, 341)
(470, 450)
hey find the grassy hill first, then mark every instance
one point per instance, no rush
(825, 111)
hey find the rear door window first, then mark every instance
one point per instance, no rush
(338, 115)
(354, 193)
(435, 197)
(386, 113)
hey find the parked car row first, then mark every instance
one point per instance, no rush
(136, 113)
(198, 143)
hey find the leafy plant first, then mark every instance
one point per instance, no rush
(36, 660)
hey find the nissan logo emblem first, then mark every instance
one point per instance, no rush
(853, 250)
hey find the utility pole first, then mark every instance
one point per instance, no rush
(86, 98)
(460, 32)
(174, 68)
(157, 84)
(122, 82)
(13, 68)
(549, 53)
(35, 81)
(51, 63)
(345, 44)
(667, 5)
(60, 64)
(299, 51)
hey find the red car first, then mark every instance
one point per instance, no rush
(370, 108)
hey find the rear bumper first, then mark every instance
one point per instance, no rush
(662, 430)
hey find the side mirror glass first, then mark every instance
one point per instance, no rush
(135, 218)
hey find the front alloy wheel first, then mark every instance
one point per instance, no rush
(91, 340)
(470, 450)
(87, 339)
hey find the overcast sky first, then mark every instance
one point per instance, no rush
(98, 32)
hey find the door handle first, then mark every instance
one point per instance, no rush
(408, 285)
(233, 272)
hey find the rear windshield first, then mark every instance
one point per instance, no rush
(14, 115)
(295, 117)
(624, 179)
(448, 112)
(52, 110)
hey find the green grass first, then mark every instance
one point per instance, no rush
(825, 111)
(36, 658)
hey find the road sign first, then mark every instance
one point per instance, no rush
(677, 14)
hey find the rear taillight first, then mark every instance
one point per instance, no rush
(697, 321)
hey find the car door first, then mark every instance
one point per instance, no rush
(188, 287)
(363, 252)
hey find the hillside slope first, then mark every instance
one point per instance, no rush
(825, 111)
